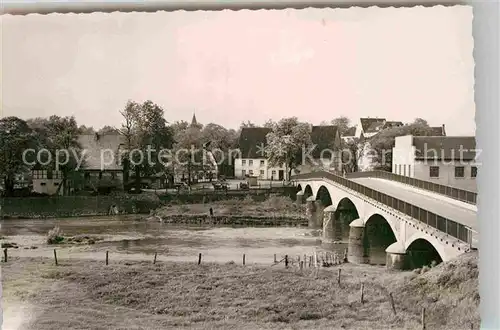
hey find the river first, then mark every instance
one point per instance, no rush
(129, 238)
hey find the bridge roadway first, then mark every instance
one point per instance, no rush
(455, 210)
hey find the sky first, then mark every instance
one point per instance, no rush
(234, 66)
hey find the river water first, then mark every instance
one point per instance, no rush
(130, 238)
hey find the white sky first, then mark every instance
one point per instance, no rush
(229, 67)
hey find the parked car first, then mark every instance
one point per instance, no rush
(220, 185)
(182, 186)
(244, 185)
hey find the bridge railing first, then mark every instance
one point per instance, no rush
(451, 192)
(450, 227)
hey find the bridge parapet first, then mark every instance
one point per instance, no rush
(447, 226)
(448, 191)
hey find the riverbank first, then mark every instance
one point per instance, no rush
(80, 294)
(275, 210)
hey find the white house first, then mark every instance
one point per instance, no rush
(446, 160)
(253, 161)
(46, 181)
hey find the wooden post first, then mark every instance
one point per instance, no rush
(338, 276)
(243, 259)
(286, 261)
(154, 260)
(310, 261)
(275, 261)
(107, 258)
(5, 255)
(55, 256)
(423, 318)
(391, 301)
(199, 258)
(362, 293)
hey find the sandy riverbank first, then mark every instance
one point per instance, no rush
(83, 294)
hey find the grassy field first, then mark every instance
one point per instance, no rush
(85, 294)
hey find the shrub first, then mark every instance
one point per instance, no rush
(55, 236)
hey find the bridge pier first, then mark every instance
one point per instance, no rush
(318, 224)
(396, 254)
(311, 212)
(329, 222)
(356, 251)
(299, 198)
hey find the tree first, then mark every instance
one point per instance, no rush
(146, 133)
(285, 143)
(15, 137)
(342, 124)
(247, 124)
(381, 144)
(108, 130)
(188, 151)
(59, 135)
(351, 154)
(84, 130)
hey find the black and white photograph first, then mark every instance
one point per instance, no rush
(251, 169)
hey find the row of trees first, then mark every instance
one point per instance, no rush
(144, 124)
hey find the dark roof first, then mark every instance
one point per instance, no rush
(351, 131)
(93, 144)
(438, 131)
(445, 147)
(324, 138)
(370, 125)
(252, 140)
(389, 124)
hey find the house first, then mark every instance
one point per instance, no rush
(46, 181)
(368, 127)
(328, 147)
(349, 134)
(102, 165)
(438, 131)
(446, 160)
(253, 160)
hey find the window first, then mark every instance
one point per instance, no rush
(243, 162)
(459, 171)
(250, 162)
(262, 172)
(50, 175)
(434, 171)
(261, 163)
(243, 172)
(250, 172)
(43, 184)
(56, 184)
(273, 172)
(473, 171)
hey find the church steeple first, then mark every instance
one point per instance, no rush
(194, 122)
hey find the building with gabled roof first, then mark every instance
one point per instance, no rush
(253, 160)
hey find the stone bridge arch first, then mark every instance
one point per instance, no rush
(422, 250)
(379, 234)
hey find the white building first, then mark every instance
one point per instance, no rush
(254, 163)
(446, 160)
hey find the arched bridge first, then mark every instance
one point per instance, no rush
(413, 222)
